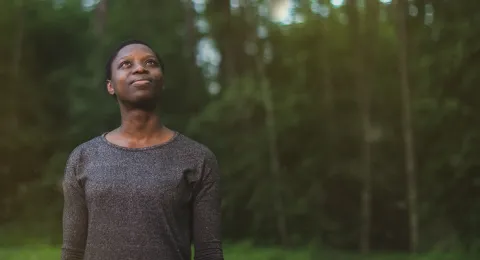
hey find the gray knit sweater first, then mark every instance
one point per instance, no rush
(141, 203)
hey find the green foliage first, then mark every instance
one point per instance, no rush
(245, 251)
(53, 98)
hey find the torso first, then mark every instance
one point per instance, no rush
(138, 199)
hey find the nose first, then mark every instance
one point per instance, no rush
(139, 68)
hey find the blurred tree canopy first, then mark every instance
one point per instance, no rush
(303, 107)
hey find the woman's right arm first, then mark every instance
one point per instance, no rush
(75, 215)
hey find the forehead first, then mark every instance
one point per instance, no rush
(133, 50)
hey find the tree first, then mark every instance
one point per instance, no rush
(363, 98)
(407, 125)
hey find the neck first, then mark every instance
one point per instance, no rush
(139, 124)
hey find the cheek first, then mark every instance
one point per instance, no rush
(159, 76)
(120, 81)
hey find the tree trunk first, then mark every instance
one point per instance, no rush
(275, 168)
(253, 20)
(372, 16)
(17, 54)
(190, 42)
(100, 19)
(407, 125)
(328, 97)
(363, 98)
(274, 162)
(225, 33)
(16, 65)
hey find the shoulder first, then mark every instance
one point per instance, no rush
(202, 156)
(79, 151)
(195, 149)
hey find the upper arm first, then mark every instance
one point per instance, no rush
(75, 215)
(207, 213)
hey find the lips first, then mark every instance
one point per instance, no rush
(139, 82)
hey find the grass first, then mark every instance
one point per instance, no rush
(236, 252)
(20, 244)
(241, 252)
(31, 253)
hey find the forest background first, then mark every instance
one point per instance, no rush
(342, 128)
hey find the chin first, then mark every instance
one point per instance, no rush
(144, 102)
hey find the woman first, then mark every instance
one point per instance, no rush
(141, 191)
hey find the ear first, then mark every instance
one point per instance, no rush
(110, 88)
(163, 84)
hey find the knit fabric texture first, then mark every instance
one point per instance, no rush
(148, 203)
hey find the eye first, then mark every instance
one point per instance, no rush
(151, 62)
(125, 64)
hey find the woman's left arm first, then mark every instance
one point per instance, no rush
(207, 213)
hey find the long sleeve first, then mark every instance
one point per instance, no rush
(75, 213)
(207, 214)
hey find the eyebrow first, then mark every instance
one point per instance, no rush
(129, 56)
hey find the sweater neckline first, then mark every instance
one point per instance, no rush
(151, 147)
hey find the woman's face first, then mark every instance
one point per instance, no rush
(136, 75)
